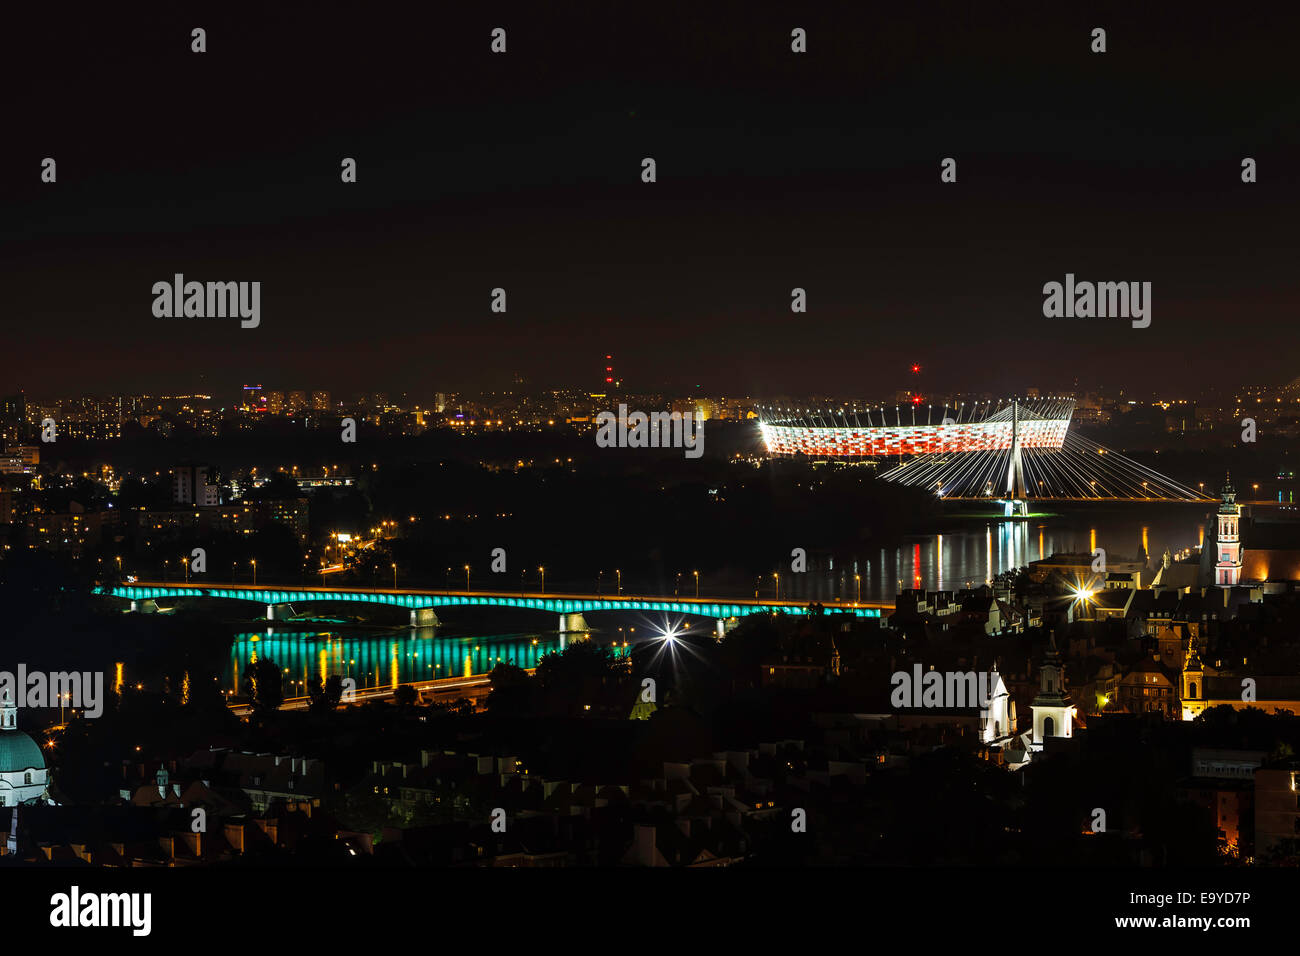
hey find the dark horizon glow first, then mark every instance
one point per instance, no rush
(775, 172)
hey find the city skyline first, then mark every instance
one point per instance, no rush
(842, 439)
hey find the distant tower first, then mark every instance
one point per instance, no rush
(999, 711)
(1227, 568)
(1193, 683)
(610, 380)
(1017, 503)
(1052, 710)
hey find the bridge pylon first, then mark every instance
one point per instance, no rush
(1017, 497)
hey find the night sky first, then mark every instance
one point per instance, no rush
(775, 170)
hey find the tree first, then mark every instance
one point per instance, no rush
(265, 685)
(512, 690)
(584, 677)
(325, 697)
(1285, 852)
(279, 485)
(404, 696)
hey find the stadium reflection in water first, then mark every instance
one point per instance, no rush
(972, 555)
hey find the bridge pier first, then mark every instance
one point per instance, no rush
(725, 626)
(424, 617)
(278, 612)
(145, 607)
(574, 624)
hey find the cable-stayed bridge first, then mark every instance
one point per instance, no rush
(1008, 452)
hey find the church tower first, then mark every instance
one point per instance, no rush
(1227, 567)
(1052, 709)
(998, 711)
(1193, 683)
(8, 712)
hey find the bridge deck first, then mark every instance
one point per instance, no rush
(420, 598)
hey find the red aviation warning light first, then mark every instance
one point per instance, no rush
(916, 370)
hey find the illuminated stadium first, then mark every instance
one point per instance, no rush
(1003, 451)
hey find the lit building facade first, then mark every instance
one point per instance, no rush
(1227, 566)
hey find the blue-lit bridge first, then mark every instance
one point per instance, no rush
(422, 604)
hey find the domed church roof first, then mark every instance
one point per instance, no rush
(18, 751)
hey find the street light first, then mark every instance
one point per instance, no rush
(697, 584)
(394, 575)
(542, 571)
(599, 575)
(467, 577)
(619, 574)
(777, 578)
(254, 564)
(677, 585)
(858, 579)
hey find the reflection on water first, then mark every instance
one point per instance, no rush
(415, 654)
(973, 555)
(968, 556)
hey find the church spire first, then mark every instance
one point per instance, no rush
(1053, 712)
(1228, 493)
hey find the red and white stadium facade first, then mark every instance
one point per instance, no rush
(787, 438)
